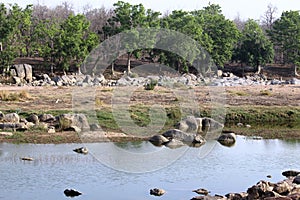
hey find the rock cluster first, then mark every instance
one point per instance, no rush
(22, 74)
(73, 122)
(191, 131)
(288, 189)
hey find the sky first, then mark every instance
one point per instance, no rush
(253, 9)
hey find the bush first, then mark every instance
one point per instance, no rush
(151, 85)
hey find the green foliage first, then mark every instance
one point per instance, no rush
(74, 41)
(222, 32)
(254, 47)
(285, 34)
(130, 18)
(151, 85)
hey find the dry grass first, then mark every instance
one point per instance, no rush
(237, 93)
(14, 96)
(265, 93)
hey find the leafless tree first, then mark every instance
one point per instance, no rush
(98, 18)
(269, 17)
(239, 22)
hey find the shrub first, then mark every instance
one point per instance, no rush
(151, 85)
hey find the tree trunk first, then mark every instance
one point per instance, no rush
(79, 72)
(113, 68)
(128, 63)
(295, 68)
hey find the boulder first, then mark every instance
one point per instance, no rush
(254, 192)
(11, 117)
(46, 118)
(211, 124)
(77, 122)
(282, 188)
(158, 140)
(227, 139)
(33, 118)
(17, 80)
(289, 173)
(71, 193)
(157, 192)
(190, 124)
(51, 129)
(201, 191)
(13, 126)
(20, 71)
(28, 73)
(236, 196)
(296, 180)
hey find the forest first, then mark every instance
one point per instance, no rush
(63, 38)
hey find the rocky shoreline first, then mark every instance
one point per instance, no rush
(287, 189)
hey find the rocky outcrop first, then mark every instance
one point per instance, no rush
(47, 122)
(22, 73)
(175, 138)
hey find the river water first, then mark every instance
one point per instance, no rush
(129, 170)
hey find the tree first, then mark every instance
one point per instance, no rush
(74, 41)
(223, 33)
(15, 29)
(129, 18)
(285, 34)
(254, 47)
(189, 25)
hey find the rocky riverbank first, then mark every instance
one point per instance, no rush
(287, 189)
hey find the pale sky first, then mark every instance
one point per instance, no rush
(231, 8)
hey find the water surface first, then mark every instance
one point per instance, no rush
(221, 170)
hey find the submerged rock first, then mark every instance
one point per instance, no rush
(202, 191)
(82, 150)
(227, 139)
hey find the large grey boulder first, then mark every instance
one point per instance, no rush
(20, 71)
(23, 72)
(28, 73)
(190, 124)
(77, 122)
(211, 123)
(33, 118)
(10, 118)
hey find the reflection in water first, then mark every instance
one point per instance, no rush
(222, 170)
